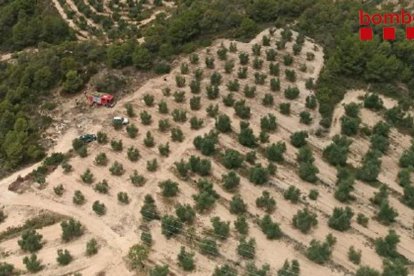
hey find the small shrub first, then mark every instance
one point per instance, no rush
(177, 135)
(310, 56)
(179, 96)
(304, 220)
(116, 145)
(64, 257)
(184, 68)
(195, 86)
(244, 58)
(367, 271)
(170, 226)
(285, 108)
(132, 130)
(180, 81)
(257, 63)
(146, 238)
(78, 198)
(99, 208)
(166, 91)
(91, 247)
(101, 159)
(274, 84)
(225, 270)
(256, 49)
(221, 229)
(305, 118)
(341, 219)
(30, 241)
(297, 48)
(222, 53)
(266, 202)
(164, 150)
(32, 264)
(320, 252)
(163, 125)
(186, 260)
(274, 69)
(313, 194)
(298, 139)
(209, 62)
(130, 110)
(59, 190)
(258, 175)
(179, 115)
(195, 103)
(137, 179)
(290, 75)
(185, 213)
(233, 47)
(123, 197)
(292, 194)
(362, 220)
(146, 118)
(102, 187)
(152, 165)
(311, 102)
(148, 100)
(241, 225)
(247, 248)
(292, 93)
(212, 110)
(270, 229)
(259, 78)
(354, 255)
(169, 188)
(233, 85)
(242, 73)
(198, 74)
(289, 269)
(194, 59)
(133, 154)
(287, 60)
(208, 247)
(387, 246)
(229, 66)
(149, 140)
(231, 181)
(67, 168)
(87, 177)
(237, 205)
(268, 100)
(213, 92)
(117, 169)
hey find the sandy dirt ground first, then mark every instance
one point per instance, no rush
(119, 228)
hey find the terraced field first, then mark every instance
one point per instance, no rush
(110, 20)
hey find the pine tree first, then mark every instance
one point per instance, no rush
(186, 260)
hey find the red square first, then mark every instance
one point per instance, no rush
(388, 33)
(365, 34)
(409, 33)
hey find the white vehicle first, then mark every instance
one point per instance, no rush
(121, 120)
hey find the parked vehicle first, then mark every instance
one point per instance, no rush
(120, 120)
(87, 138)
(101, 99)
